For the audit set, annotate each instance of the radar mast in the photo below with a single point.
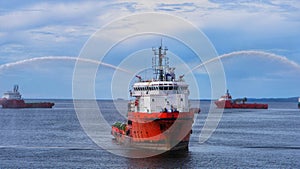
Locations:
(160, 62)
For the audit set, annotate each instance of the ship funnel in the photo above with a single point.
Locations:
(16, 88)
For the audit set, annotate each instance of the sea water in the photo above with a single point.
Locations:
(54, 138)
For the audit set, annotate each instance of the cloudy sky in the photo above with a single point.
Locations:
(33, 28)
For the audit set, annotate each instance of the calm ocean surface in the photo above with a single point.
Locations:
(53, 138)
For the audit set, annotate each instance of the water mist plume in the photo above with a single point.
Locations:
(249, 53)
(207, 129)
(8, 65)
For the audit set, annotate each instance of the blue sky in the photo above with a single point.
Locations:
(50, 28)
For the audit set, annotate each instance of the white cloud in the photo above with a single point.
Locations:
(53, 28)
(46, 14)
(248, 16)
(90, 15)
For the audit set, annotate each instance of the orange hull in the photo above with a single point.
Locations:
(21, 104)
(160, 131)
(229, 105)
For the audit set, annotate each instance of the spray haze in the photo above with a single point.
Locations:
(65, 58)
(250, 53)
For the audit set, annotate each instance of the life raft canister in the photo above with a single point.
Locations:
(136, 103)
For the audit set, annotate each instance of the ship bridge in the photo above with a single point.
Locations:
(159, 88)
(159, 96)
(13, 95)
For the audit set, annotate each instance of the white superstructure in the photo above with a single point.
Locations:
(13, 95)
(162, 93)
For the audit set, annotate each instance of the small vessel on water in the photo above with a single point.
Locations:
(227, 102)
(159, 116)
(13, 99)
(299, 102)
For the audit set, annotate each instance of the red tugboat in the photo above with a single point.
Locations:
(13, 99)
(159, 116)
(227, 102)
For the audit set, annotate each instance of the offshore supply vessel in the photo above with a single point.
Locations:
(159, 116)
(13, 99)
(227, 102)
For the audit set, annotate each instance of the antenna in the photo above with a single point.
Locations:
(160, 62)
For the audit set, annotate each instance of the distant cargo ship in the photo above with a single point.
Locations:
(227, 102)
(13, 99)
